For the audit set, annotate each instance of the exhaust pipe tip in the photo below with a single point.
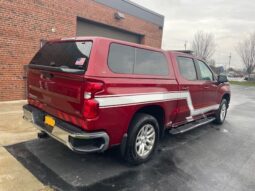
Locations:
(42, 135)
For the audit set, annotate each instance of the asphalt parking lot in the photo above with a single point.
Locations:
(208, 158)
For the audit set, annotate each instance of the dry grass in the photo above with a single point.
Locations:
(243, 83)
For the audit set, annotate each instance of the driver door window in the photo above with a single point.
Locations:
(205, 72)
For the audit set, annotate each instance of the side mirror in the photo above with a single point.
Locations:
(222, 78)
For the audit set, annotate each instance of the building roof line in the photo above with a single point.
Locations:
(134, 9)
(144, 8)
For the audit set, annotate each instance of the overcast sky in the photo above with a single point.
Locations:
(229, 20)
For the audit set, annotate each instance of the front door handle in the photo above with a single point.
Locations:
(207, 87)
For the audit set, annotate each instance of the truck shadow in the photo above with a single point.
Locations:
(55, 165)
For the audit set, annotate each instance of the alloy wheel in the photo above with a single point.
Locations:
(145, 141)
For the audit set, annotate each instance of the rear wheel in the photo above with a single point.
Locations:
(142, 139)
(221, 112)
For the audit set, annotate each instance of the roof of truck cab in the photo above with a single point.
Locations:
(180, 53)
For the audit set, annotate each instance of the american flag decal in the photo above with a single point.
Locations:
(80, 61)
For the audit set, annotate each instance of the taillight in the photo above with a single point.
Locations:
(91, 106)
(91, 109)
(92, 88)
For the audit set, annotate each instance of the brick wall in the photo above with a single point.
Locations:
(24, 22)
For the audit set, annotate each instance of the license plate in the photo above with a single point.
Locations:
(48, 120)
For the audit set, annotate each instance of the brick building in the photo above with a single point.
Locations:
(25, 24)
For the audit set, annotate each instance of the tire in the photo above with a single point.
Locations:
(142, 140)
(221, 112)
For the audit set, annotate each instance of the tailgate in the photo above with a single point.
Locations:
(56, 76)
(57, 90)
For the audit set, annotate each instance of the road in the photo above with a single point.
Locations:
(210, 158)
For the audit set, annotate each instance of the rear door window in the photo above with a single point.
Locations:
(65, 55)
(187, 68)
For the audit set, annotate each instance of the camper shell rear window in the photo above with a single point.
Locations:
(67, 56)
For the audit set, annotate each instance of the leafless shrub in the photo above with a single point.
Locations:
(203, 45)
(246, 50)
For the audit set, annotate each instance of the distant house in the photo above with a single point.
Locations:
(252, 77)
(217, 70)
(231, 72)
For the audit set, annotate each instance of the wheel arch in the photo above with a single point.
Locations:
(156, 111)
(227, 97)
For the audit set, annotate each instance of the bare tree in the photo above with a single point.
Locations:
(246, 50)
(203, 45)
(211, 62)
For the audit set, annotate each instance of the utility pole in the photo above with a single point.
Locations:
(229, 61)
(185, 45)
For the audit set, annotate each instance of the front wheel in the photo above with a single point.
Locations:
(142, 139)
(221, 112)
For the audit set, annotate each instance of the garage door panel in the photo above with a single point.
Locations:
(93, 29)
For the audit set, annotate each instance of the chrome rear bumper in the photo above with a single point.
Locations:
(71, 136)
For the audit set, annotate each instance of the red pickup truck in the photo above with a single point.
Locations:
(93, 93)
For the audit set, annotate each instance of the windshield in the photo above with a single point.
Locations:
(65, 55)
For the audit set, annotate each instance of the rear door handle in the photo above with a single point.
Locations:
(46, 75)
(207, 87)
(185, 88)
